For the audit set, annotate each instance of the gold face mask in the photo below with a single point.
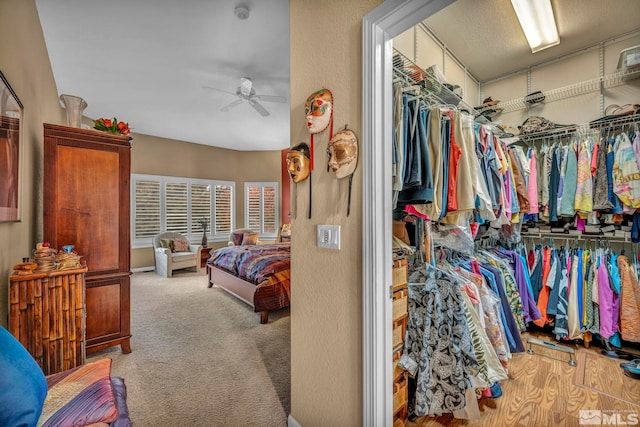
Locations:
(343, 153)
(298, 162)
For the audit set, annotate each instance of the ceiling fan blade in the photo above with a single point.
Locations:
(219, 90)
(259, 108)
(232, 105)
(271, 98)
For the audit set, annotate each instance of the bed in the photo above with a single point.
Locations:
(259, 275)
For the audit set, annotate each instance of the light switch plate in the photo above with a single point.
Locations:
(328, 236)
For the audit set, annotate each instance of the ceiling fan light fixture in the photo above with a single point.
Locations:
(242, 12)
(537, 22)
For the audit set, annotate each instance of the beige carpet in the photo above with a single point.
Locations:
(200, 357)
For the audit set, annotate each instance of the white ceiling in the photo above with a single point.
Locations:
(146, 61)
(487, 38)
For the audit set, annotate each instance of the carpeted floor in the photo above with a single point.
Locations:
(200, 357)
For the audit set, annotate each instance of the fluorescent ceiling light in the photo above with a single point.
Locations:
(538, 23)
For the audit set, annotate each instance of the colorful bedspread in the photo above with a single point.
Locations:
(253, 263)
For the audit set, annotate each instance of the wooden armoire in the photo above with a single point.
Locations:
(87, 204)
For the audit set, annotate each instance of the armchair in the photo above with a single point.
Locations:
(243, 236)
(172, 251)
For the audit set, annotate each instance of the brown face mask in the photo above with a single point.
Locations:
(298, 162)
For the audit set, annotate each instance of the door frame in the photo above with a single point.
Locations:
(389, 19)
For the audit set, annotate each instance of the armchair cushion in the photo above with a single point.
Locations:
(23, 386)
(180, 244)
(167, 243)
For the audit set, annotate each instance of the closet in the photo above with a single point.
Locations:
(503, 255)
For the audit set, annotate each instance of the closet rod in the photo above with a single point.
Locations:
(562, 236)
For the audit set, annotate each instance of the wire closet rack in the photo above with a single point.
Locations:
(587, 86)
(601, 125)
(428, 84)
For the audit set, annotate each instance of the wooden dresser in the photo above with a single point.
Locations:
(47, 316)
(400, 320)
(86, 204)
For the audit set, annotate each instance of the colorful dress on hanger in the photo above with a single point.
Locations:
(629, 301)
(438, 347)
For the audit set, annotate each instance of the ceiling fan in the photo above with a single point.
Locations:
(246, 92)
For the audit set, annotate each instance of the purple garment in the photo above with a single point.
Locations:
(606, 302)
(529, 307)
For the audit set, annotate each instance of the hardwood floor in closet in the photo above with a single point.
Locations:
(542, 391)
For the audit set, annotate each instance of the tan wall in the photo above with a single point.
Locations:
(326, 296)
(160, 156)
(25, 63)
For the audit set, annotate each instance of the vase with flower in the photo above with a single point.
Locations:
(204, 223)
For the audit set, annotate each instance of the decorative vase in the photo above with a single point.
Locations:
(74, 106)
(204, 238)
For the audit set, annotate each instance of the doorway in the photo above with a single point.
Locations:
(378, 29)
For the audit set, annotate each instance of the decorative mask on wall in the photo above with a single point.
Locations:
(319, 110)
(319, 115)
(343, 157)
(298, 162)
(343, 153)
(299, 165)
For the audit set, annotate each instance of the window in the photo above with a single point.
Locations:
(261, 208)
(164, 203)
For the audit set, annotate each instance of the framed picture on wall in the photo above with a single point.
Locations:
(11, 110)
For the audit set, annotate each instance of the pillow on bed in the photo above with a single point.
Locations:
(80, 396)
(236, 238)
(249, 238)
(180, 244)
(23, 386)
(168, 244)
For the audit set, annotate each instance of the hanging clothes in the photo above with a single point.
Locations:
(584, 187)
(608, 313)
(554, 180)
(600, 193)
(561, 328)
(567, 206)
(532, 185)
(455, 152)
(629, 301)
(438, 349)
(521, 274)
(418, 185)
(437, 160)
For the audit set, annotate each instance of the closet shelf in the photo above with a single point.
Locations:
(597, 125)
(608, 81)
